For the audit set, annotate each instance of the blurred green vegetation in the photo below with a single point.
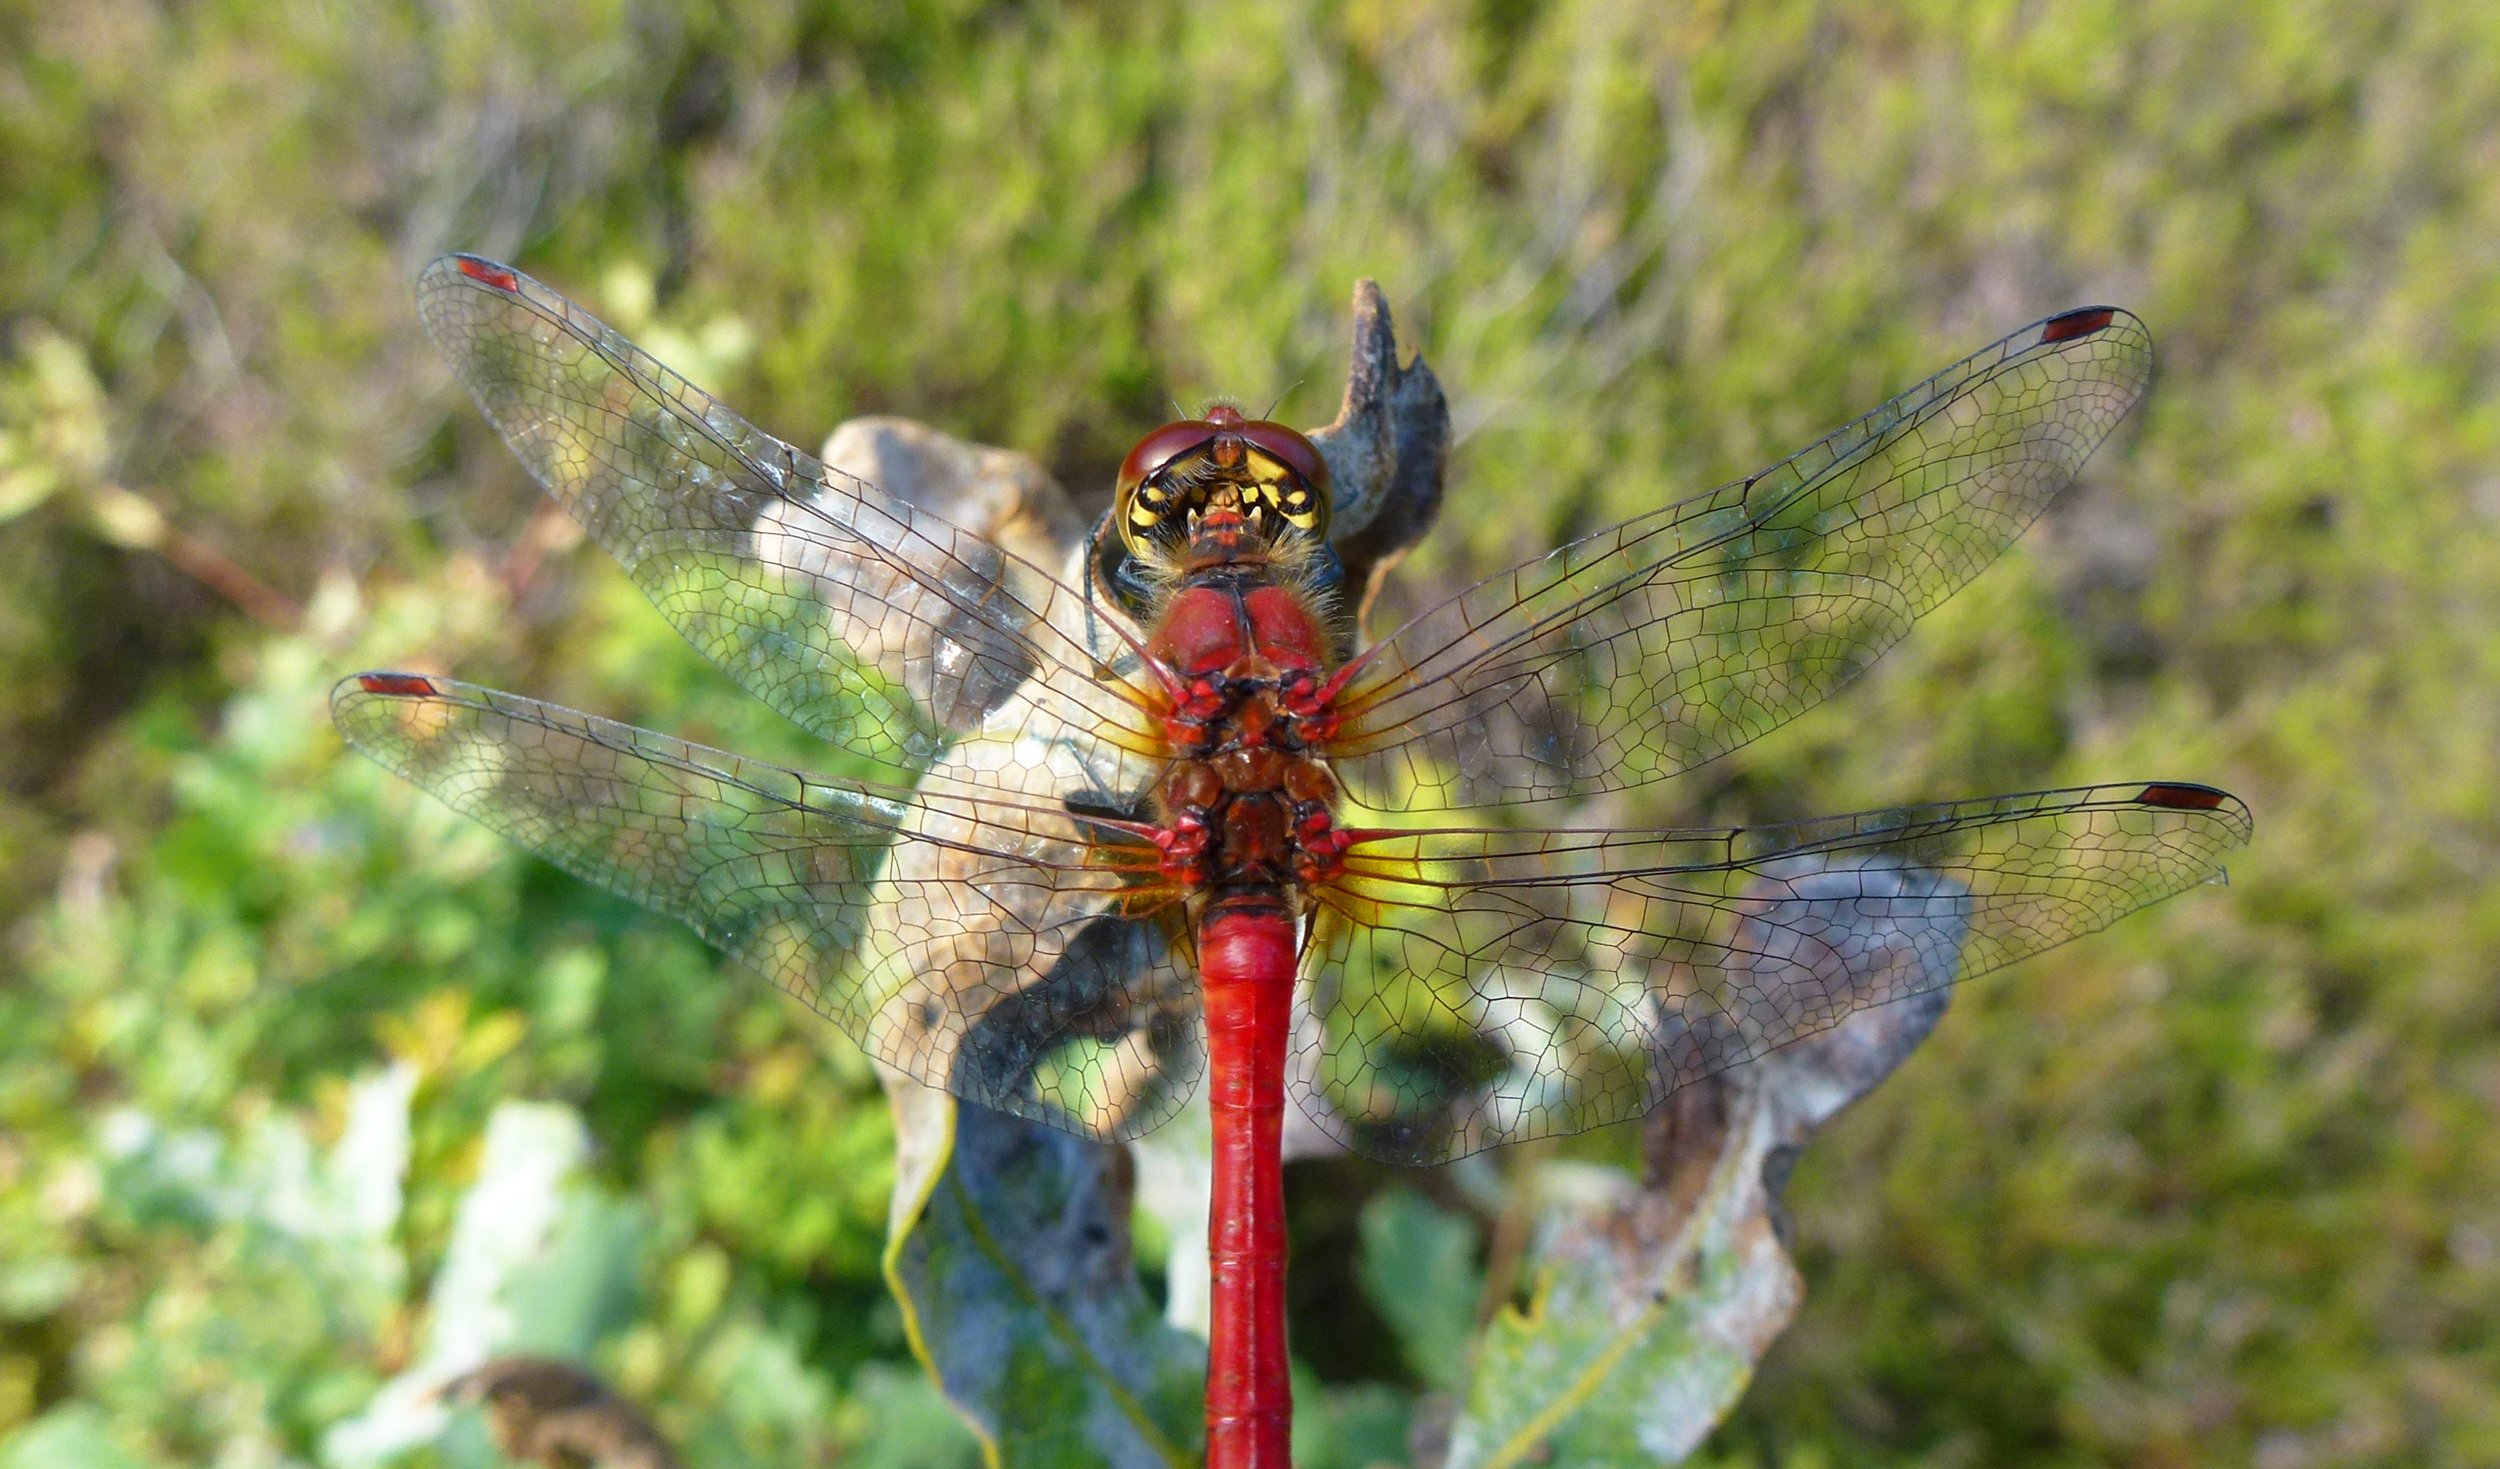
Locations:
(2220, 1187)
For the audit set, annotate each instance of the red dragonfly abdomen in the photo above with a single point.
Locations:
(1246, 955)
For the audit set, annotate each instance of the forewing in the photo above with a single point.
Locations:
(869, 621)
(1670, 639)
(992, 947)
(1471, 988)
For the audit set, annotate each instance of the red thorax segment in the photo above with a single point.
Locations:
(1247, 801)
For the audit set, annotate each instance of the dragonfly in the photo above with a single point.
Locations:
(1157, 816)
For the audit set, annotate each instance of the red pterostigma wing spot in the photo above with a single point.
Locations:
(1664, 642)
(396, 685)
(2178, 796)
(2079, 323)
(487, 272)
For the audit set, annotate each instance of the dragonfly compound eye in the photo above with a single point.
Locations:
(1295, 503)
(1147, 506)
(1141, 505)
(1183, 467)
(1300, 494)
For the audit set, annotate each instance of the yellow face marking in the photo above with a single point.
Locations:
(1284, 492)
(1263, 482)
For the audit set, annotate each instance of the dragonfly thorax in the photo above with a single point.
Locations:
(1248, 801)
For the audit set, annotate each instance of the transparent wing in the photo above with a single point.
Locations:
(1673, 638)
(869, 621)
(1475, 987)
(1003, 950)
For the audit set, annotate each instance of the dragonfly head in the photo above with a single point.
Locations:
(1219, 488)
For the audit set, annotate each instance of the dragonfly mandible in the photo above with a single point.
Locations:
(1155, 817)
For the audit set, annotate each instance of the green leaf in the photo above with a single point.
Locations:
(913, 1425)
(1623, 1356)
(1651, 1304)
(539, 1260)
(1010, 1256)
(74, 1437)
(1362, 1426)
(1419, 1268)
